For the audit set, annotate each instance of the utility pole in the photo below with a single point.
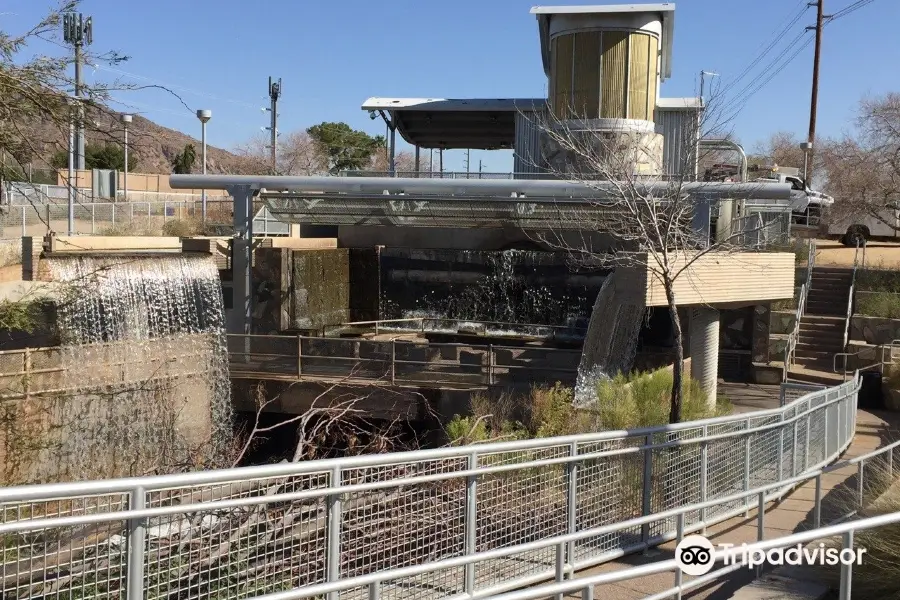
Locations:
(468, 156)
(78, 31)
(479, 168)
(274, 94)
(814, 101)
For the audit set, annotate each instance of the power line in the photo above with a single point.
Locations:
(850, 9)
(775, 39)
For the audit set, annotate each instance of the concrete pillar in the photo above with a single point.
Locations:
(704, 344)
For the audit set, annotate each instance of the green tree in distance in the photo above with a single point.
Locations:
(97, 156)
(183, 162)
(344, 147)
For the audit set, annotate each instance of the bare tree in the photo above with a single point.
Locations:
(404, 162)
(296, 155)
(863, 167)
(648, 214)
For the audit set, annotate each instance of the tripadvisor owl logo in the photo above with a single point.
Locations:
(695, 555)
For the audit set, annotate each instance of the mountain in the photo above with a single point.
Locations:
(152, 144)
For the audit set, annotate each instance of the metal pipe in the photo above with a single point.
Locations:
(482, 187)
(728, 145)
(71, 181)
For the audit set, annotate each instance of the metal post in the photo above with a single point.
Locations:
(417, 160)
(747, 471)
(137, 531)
(647, 489)
(393, 360)
(333, 552)
(781, 448)
(704, 469)
(846, 569)
(859, 483)
(393, 165)
(490, 364)
(113, 209)
(890, 463)
(126, 119)
(679, 535)
(794, 458)
(806, 442)
(71, 181)
(204, 116)
(23, 221)
(817, 503)
(241, 259)
(93, 219)
(375, 590)
(572, 502)
(588, 592)
(299, 357)
(471, 522)
(761, 524)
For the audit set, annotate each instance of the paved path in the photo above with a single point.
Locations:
(791, 515)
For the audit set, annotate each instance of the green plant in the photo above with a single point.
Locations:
(642, 400)
(879, 304)
(799, 247)
(878, 280)
(22, 315)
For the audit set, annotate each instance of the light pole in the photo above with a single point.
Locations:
(204, 116)
(126, 120)
(806, 147)
(703, 75)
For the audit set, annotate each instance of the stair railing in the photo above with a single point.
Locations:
(790, 349)
(852, 294)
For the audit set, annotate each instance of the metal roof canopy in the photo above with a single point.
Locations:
(666, 12)
(478, 123)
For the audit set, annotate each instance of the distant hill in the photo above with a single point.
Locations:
(152, 144)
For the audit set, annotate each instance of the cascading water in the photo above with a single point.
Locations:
(612, 337)
(510, 286)
(154, 326)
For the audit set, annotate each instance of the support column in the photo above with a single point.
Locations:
(704, 332)
(242, 260)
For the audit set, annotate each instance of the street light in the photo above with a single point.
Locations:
(126, 121)
(806, 147)
(204, 116)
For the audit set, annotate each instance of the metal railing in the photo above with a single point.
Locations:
(447, 325)
(852, 295)
(17, 193)
(475, 520)
(396, 361)
(856, 359)
(790, 349)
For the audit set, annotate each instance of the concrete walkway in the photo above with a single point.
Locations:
(791, 515)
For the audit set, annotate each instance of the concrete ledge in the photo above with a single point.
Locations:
(112, 243)
(299, 243)
(775, 587)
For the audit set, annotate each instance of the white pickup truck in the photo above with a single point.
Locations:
(806, 205)
(858, 229)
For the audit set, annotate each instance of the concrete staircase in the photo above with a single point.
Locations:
(822, 327)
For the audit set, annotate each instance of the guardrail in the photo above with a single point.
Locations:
(794, 337)
(879, 351)
(446, 325)
(475, 520)
(396, 361)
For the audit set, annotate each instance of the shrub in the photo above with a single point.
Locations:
(878, 280)
(800, 249)
(180, 228)
(644, 400)
(10, 254)
(879, 304)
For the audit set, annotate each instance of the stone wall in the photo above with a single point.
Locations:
(782, 322)
(622, 153)
(874, 330)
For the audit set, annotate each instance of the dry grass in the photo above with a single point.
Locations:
(10, 253)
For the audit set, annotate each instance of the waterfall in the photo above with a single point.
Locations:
(612, 336)
(155, 327)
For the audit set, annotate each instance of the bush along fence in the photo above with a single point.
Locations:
(476, 519)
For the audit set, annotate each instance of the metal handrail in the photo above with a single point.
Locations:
(879, 363)
(794, 337)
(380, 324)
(851, 295)
(561, 456)
(375, 580)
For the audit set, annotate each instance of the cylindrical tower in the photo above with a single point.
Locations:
(604, 65)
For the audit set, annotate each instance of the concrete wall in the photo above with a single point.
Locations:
(137, 182)
(310, 289)
(106, 410)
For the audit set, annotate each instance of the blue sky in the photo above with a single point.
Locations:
(331, 56)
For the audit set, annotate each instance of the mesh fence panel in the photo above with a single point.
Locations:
(418, 510)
